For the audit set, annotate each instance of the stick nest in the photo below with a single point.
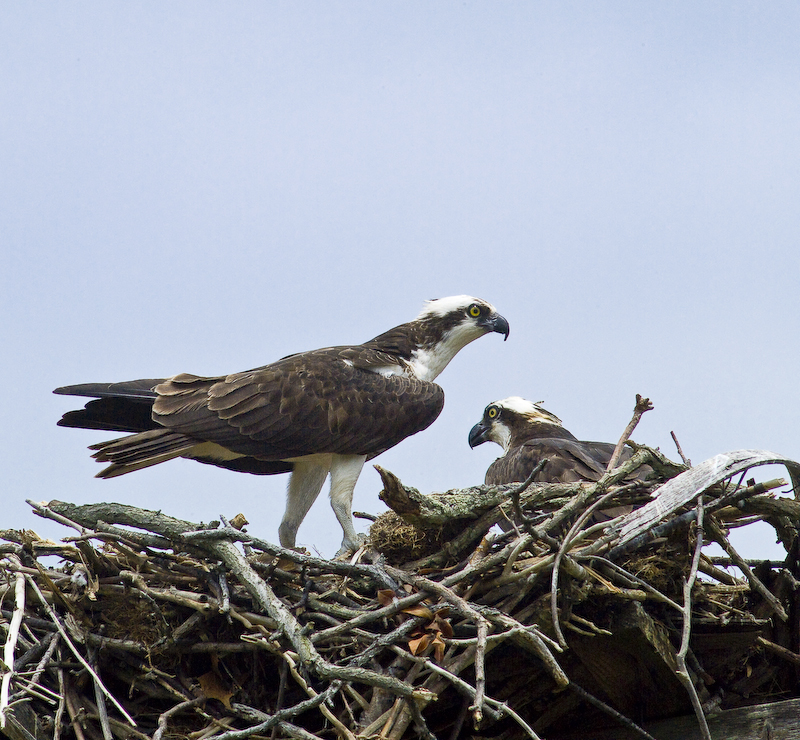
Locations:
(467, 615)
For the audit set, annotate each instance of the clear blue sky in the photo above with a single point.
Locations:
(206, 187)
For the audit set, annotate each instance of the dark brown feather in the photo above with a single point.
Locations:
(324, 401)
(568, 460)
(111, 415)
(308, 403)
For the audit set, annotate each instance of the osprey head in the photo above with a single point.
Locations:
(508, 420)
(463, 314)
(446, 325)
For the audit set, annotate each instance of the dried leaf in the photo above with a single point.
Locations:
(418, 645)
(442, 625)
(239, 521)
(419, 610)
(386, 596)
(213, 688)
(290, 566)
(438, 649)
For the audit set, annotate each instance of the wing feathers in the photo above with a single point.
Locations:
(308, 403)
(568, 461)
(315, 402)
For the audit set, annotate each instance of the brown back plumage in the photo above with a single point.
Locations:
(567, 461)
(316, 402)
(323, 401)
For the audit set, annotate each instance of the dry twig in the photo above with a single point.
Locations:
(642, 405)
(683, 671)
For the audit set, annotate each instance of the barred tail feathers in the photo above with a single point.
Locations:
(142, 450)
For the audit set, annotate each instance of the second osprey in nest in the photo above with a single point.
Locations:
(527, 433)
(315, 413)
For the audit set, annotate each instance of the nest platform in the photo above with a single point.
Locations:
(529, 611)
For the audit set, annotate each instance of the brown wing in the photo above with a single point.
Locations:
(567, 461)
(314, 402)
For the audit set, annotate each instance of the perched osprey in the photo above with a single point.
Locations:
(527, 433)
(313, 413)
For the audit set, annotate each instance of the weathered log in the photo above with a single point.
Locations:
(438, 508)
(686, 487)
(635, 666)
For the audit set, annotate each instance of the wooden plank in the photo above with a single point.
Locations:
(722, 649)
(22, 724)
(775, 721)
(635, 666)
(687, 486)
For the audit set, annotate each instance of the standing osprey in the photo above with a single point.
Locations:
(313, 413)
(527, 433)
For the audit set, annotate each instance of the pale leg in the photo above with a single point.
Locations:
(345, 470)
(305, 484)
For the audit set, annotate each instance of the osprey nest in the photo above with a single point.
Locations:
(579, 610)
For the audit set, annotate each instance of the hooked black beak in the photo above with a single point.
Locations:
(478, 434)
(497, 323)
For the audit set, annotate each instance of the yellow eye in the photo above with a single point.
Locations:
(474, 311)
(492, 412)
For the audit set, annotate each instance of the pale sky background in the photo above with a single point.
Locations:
(206, 187)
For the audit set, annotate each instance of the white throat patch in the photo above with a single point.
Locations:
(427, 362)
(501, 434)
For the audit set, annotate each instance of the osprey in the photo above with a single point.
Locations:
(528, 433)
(313, 413)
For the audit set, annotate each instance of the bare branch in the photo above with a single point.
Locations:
(11, 644)
(686, 461)
(642, 405)
(683, 671)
